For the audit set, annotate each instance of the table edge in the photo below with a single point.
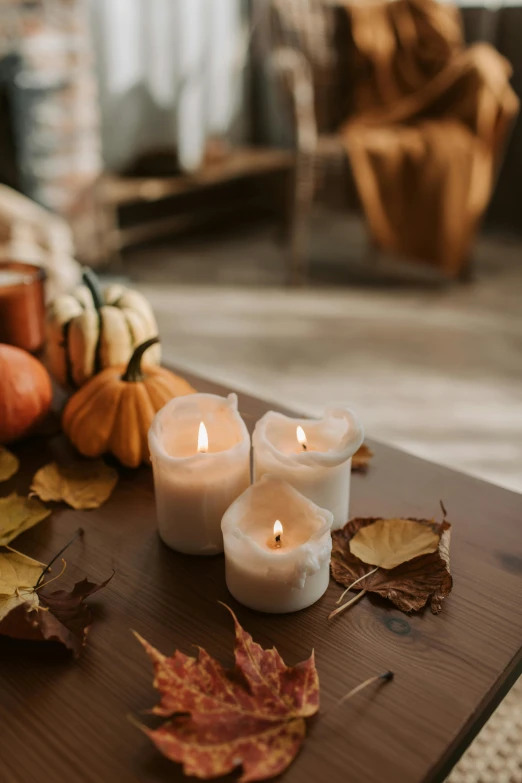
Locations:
(463, 740)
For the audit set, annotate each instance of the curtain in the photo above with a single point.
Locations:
(171, 73)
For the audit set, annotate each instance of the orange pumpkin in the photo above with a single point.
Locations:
(114, 410)
(25, 393)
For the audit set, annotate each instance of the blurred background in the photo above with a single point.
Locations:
(321, 200)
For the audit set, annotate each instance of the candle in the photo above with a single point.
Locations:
(22, 308)
(277, 548)
(200, 452)
(315, 456)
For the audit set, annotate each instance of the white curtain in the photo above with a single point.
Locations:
(170, 72)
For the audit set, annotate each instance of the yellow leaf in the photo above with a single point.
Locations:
(18, 577)
(82, 485)
(9, 464)
(389, 542)
(22, 596)
(18, 514)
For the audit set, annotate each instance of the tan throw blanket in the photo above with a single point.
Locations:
(427, 132)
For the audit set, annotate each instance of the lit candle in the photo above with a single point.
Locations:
(276, 566)
(314, 456)
(22, 308)
(200, 452)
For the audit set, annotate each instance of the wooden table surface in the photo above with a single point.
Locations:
(67, 721)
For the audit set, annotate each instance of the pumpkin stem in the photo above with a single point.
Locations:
(90, 280)
(133, 373)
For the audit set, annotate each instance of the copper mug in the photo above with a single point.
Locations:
(22, 305)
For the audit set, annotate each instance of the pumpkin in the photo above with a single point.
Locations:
(88, 331)
(25, 393)
(113, 412)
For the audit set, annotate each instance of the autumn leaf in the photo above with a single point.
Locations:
(60, 616)
(28, 610)
(18, 577)
(252, 716)
(82, 485)
(420, 575)
(9, 464)
(18, 514)
(361, 459)
(389, 542)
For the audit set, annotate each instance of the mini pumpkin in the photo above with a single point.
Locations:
(25, 393)
(88, 330)
(113, 412)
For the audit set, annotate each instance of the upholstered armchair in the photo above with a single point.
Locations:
(312, 74)
(387, 96)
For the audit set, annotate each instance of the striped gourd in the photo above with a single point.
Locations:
(88, 330)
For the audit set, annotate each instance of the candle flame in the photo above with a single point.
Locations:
(301, 436)
(278, 532)
(202, 439)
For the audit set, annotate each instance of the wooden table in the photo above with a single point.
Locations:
(67, 721)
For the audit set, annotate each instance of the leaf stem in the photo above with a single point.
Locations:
(78, 533)
(44, 584)
(357, 582)
(349, 603)
(386, 677)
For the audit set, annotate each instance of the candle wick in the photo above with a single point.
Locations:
(278, 541)
(305, 447)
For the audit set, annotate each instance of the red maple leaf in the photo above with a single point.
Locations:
(251, 716)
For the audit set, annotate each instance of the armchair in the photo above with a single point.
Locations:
(390, 94)
(311, 75)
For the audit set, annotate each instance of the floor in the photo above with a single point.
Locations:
(432, 368)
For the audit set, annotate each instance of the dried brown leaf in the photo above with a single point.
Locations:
(389, 542)
(18, 514)
(218, 720)
(38, 615)
(411, 585)
(82, 485)
(9, 464)
(361, 459)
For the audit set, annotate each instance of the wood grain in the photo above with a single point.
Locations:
(68, 721)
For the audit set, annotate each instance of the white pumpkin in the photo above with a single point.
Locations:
(88, 330)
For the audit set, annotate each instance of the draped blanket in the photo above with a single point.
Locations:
(428, 128)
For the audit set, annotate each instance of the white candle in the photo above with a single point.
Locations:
(277, 548)
(200, 452)
(314, 456)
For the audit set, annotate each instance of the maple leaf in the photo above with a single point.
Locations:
(252, 716)
(82, 485)
(18, 514)
(29, 611)
(9, 464)
(361, 459)
(420, 574)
